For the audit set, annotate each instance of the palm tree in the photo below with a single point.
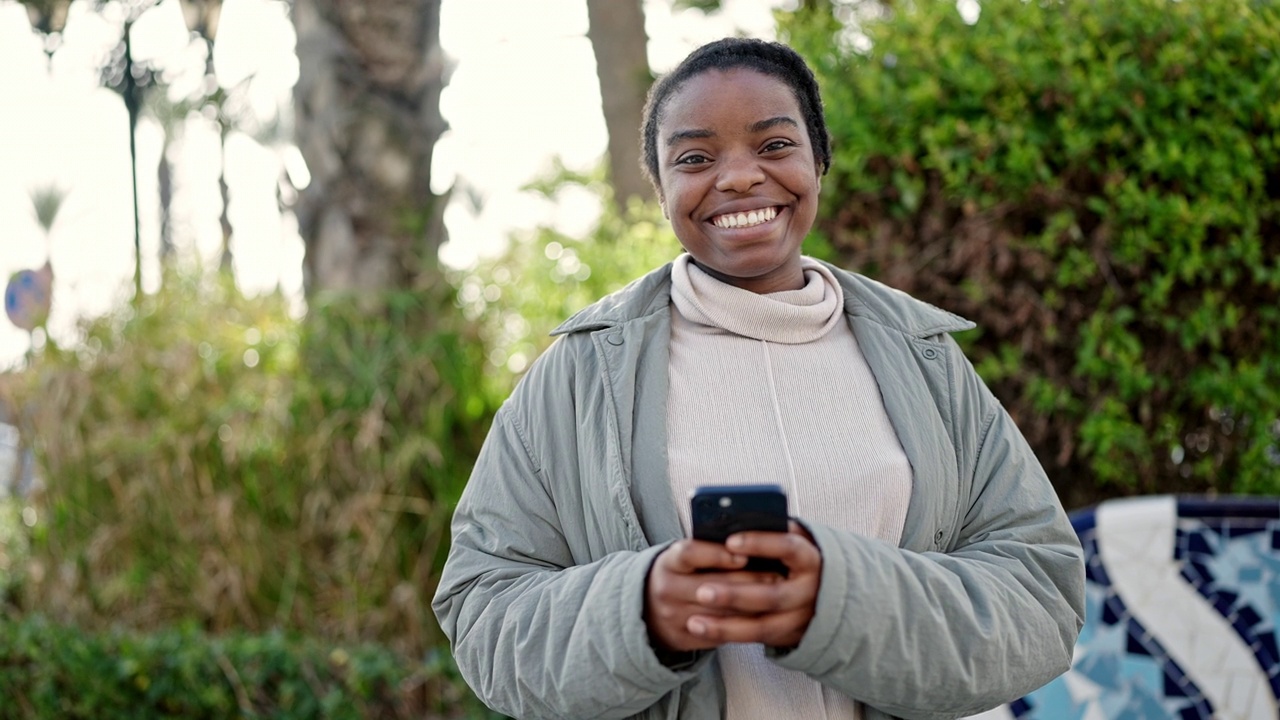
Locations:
(367, 113)
(121, 73)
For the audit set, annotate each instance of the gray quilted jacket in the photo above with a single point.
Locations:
(569, 503)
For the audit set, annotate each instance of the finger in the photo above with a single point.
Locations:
(690, 556)
(798, 529)
(675, 592)
(739, 577)
(668, 604)
(684, 588)
(776, 629)
(755, 598)
(793, 549)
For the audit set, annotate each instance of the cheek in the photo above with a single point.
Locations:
(668, 197)
(675, 196)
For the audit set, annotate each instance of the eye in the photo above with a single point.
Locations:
(774, 145)
(692, 159)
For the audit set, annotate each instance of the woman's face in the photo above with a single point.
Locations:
(738, 178)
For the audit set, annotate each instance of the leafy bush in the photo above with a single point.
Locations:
(545, 275)
(209, 458)
(1098, 186)
(14, 544)
(49, 671)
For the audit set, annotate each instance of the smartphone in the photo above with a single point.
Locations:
(718, 511)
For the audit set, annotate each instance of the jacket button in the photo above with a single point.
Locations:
(937, 539)
(614, 338)
(930, 354)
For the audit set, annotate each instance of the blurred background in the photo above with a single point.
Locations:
(271, 267)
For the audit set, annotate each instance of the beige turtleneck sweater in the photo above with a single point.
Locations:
(773, 389)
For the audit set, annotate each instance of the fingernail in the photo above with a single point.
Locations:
(706, 595)
(697, 627)
(735, 542)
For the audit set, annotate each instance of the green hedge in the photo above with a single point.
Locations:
(1097, 184)
(50, 671)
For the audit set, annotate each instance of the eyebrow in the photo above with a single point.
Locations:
(772, 122)
(679, 135)
(755, 127)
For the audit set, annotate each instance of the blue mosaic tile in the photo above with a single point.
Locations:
(1193, 574)
(1095, 571)
(1135, 645)
(1190, 713)
(1113, 610)
(1200, 570)
(1228, 553)
(1235, 531)
(1197, 543)
(1176, 687)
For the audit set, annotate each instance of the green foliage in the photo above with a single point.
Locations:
(50, 671)
(705, 6)
(210, 458)
(1098, 186)
(14, 545)
(546, 275)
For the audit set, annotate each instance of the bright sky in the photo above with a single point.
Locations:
(513, 58)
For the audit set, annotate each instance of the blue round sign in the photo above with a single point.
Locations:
(28, 297)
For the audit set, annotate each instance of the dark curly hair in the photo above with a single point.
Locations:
(770, 58)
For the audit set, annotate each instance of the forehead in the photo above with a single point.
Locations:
(732, 98)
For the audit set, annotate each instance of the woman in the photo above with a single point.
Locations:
(932, 571)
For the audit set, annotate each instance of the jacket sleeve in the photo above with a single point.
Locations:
(941, 635)
(534, 633)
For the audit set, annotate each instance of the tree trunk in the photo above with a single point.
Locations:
(618, 39)
(164, 180)
(368, 116)
(226, 262)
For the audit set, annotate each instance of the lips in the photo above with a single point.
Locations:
(745, 219)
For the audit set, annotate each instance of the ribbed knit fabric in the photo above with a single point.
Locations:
(773, 389)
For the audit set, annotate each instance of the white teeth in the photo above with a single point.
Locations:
(746, 219)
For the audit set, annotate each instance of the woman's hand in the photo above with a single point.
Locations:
(672, 585)
(690, 610)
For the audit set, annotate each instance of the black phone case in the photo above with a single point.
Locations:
(720, 511)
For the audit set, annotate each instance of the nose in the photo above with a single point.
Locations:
(739, 173)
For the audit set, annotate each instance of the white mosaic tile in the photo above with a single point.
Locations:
(1183, 604)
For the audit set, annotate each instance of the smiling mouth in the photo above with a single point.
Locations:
(732, 221)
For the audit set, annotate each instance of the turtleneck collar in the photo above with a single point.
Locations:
(789, 317)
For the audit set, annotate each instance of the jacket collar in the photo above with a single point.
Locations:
(863, 297)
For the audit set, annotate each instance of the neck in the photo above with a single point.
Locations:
(780, 280)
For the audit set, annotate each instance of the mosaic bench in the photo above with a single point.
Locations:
(1183, 600)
